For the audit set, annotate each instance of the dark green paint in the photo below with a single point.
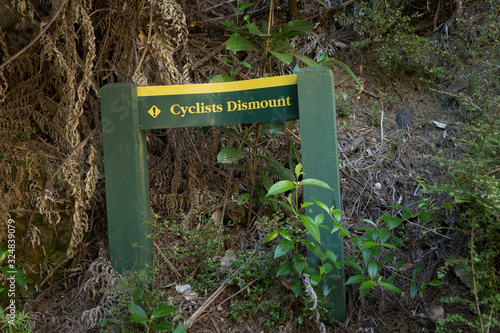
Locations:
(218, 101)
(127, 183)
(318, 132)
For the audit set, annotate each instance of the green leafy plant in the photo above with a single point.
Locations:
(20, 323)
(293, 240)
(266, 41)
(135, 301)
(375, 245)
(387, 31)
(231, 155)
(376, 250)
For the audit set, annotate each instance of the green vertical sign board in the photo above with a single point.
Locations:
(126, 178)
(128, 110)
(318, 131)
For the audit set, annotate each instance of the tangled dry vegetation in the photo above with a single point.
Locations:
(55, 55)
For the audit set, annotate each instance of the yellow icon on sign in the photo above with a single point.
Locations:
(154, 111)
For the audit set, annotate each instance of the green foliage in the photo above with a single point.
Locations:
(14, 276)
(230, 155)
(200, 255)
(389, 34)
(374, 265)
(20, 323)
(138, 308)
(472, 186)
(266, 42)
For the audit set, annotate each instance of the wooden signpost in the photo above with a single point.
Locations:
(128, 110)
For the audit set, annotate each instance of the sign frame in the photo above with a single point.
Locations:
(127, 111)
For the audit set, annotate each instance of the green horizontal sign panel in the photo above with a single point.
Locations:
(216, 104)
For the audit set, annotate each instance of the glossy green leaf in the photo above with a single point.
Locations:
(332, 256)
(425, 216)
(353, 264)
(337, 215)
(164, 326)
(238, 43)
(284, 269)
(369, 245)
(315, 182)
(283, 57)
(137, 295)
(368, 284)
(296, 288)
(285, 235)
(390, 287)
(308, 61)
(348, 70)
(319, 219)
(328, 267)
(280, 169)
(231, 154)
(311, 227)
(135, 318)
(163, 311)
(315, 279)
(399, 207)
(299, 263)
(271, 236)
(372, 269)
(138, 310)
(388, 257)
(280, 187)
(299, 25)
(413, 289)
(254, 29)
(322, 3)
(389, 246)
(416, 270)
(363, 292)
(392, 221)
(283, 247)
(314, 248)
(322, 205)
(384, 234)
(400, 264)
(355, 279)
(18, 274)
(367, 255)
(180, 329)
(397, 241)
(283, 46)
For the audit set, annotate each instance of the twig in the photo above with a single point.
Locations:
(45, 28)
(147, 41)
(239, 291)
(294, 135)
(209, 56)
(191, 320)
(168, 261)
(473, 271)
(252, 175)
(192, 145)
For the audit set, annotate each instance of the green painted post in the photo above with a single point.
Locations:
(318, 131)
(127, 182)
